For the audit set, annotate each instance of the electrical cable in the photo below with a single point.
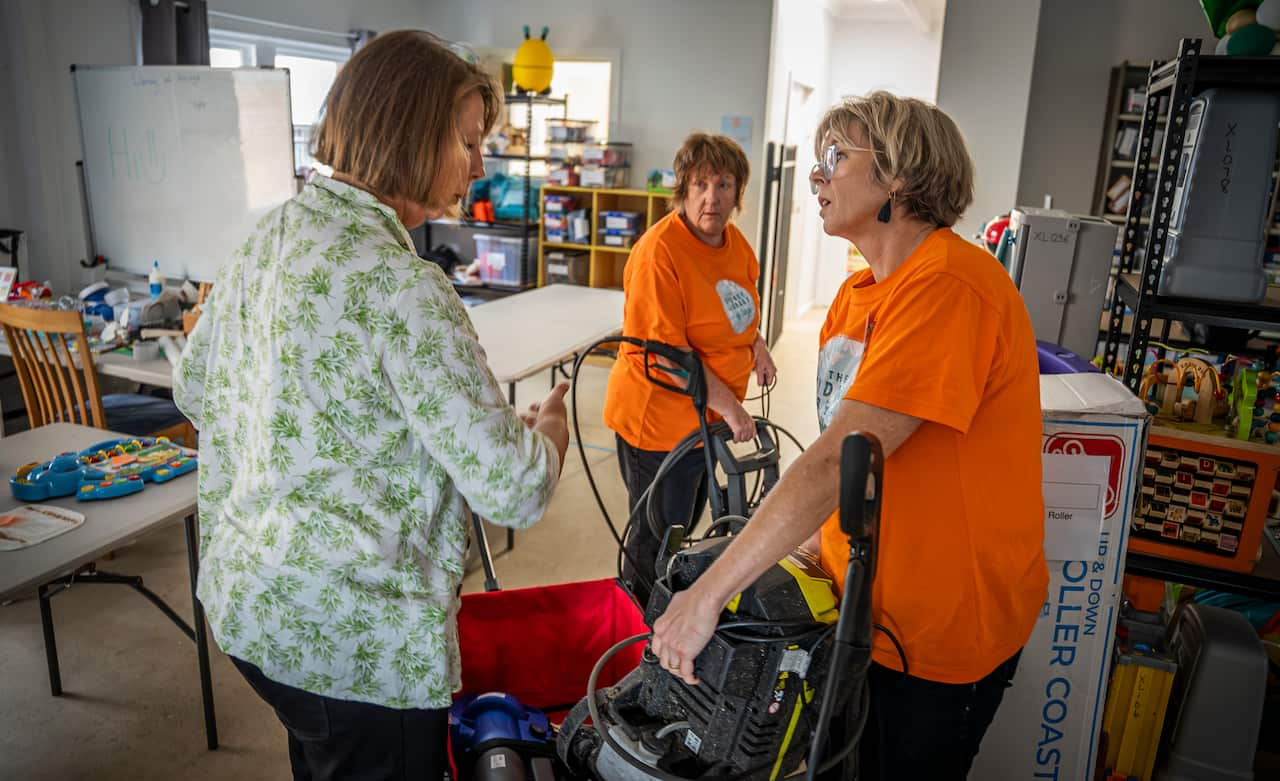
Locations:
(855, 734)
(593, 708)
(582, 452)
(682, 448)
(902, 655)
(646, 498)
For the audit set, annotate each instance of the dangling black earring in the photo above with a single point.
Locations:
(885, 211)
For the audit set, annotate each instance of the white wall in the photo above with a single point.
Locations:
(894, 56)
(984, 83)
(13, 212)
(684, 65)
(866, 55)
(44, 38)
(40, 142)
(799, 53)
(337, 16)
(1077, 45)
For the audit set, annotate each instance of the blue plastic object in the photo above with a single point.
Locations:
(1060, 360)
(117, 467)
(477, 721)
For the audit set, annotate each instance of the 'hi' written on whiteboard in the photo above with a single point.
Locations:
(133, 158)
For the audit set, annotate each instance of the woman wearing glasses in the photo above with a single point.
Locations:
(690, 282)
(930, 349)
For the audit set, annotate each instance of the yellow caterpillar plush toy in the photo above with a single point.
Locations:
(531, 70)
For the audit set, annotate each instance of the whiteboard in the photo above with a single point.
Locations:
(181, 161)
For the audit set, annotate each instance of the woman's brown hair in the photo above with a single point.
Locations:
(704, 153)
(388, 120)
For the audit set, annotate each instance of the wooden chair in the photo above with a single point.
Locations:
(59, 383)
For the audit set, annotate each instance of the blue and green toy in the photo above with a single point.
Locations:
(116, 467)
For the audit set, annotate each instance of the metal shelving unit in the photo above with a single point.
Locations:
(525, 228)
(532, 211)
(1137, 286)
(1143, 239)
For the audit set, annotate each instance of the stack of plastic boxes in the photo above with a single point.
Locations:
(619, 229)
(563, 222)
(606, 165)
(555, 217)
(565, 141)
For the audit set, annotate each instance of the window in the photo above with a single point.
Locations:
(220, 57)
(312, 69)
(587, 83)
(588, 86)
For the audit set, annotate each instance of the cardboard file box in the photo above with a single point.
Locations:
(1049, 723)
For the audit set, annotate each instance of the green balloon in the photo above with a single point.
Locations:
(1252, 40)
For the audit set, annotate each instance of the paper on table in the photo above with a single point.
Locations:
(1075, 489)
(27, 525)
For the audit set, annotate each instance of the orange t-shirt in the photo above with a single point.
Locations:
(687, 294)
(961, 574)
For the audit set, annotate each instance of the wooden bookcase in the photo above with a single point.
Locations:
(606, 262)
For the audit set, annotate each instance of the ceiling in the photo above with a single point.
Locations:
(925, 15)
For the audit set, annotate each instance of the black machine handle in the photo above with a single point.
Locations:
(690, 367)
(861, 486)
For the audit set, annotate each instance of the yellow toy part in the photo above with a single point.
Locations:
(533, 65)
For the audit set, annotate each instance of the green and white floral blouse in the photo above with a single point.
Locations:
(347, 419)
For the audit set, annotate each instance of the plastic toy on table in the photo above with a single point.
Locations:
(117, 467)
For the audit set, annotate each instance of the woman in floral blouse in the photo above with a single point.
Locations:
(348, 419)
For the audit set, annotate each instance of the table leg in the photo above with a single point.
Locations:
(50, 643)
(202, 641)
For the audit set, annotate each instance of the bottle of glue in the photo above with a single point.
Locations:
(156, 279)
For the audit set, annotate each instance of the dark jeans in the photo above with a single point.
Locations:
(680, 499)
(926, 730)
(338, 739)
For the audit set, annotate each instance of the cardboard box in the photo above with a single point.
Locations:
(1048, 725)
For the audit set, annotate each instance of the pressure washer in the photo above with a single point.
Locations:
(785, 655)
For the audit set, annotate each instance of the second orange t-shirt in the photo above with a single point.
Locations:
(683, 292)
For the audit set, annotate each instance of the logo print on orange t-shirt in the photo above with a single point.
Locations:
(837, 367)
(738, 305)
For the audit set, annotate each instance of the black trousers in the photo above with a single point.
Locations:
(923, 730)
(680, 498)
(338, 739)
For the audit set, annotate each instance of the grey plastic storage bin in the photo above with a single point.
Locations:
(501, 262)
(1222, 202)
(1215, 709)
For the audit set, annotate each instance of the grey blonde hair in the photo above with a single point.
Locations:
(915, 143)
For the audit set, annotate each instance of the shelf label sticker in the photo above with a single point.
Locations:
(1074, 488)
